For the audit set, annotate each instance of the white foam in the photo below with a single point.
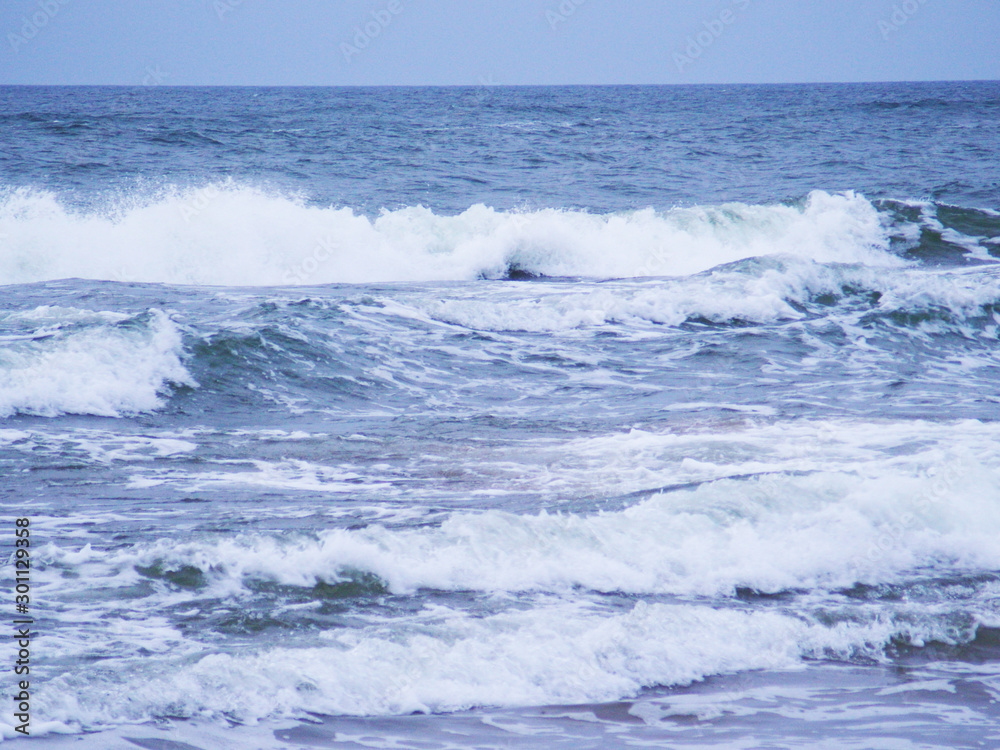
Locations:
(759, 293)
(833, 503)
(827, 504)
(228, 234)
(723, 295)
(447, 660)
(291, 474)
(98, 446)
(117, 367)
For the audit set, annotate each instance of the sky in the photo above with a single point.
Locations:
(485, 42)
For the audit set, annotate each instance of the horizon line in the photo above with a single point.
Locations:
(492, 85)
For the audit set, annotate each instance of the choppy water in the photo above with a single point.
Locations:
(558, 416)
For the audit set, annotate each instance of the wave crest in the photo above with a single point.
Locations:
(83, 362)
(233, 235)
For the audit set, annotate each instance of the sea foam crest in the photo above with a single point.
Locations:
(82, 362)
(229, 234)
(818, 510)
(758, 291)
(879, 520)
(557, 653)
(712, 540)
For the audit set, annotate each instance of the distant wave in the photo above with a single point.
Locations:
(233, 235)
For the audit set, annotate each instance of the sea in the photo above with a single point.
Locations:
(501, 417)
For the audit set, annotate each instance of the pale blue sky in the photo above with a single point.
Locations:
(315, 42)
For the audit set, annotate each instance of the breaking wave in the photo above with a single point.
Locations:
(234, 235)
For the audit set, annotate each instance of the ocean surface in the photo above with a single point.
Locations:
(503, 417)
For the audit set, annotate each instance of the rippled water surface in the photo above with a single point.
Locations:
(541, 417)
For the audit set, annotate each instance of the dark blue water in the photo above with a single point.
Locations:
(593, 148)
(591, 416)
